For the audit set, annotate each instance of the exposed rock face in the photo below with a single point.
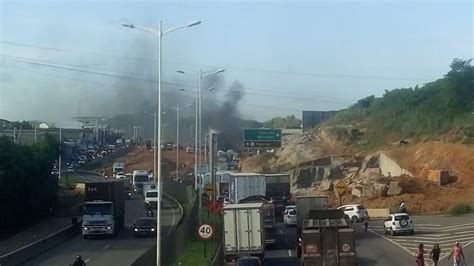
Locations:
(326, 185)
(394, 189)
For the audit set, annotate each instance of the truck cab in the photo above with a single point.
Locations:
(140, 177)
(98, 218)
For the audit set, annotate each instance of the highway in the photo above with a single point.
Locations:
(122, 250)
(377, 249)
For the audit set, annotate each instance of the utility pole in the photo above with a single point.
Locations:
(177, 142)
(60, 152)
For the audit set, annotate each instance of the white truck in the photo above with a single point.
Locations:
(140, 177)
(243, 185)
(244, 233)
(118, 167)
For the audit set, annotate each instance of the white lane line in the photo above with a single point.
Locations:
(280, 231)
(106, 247)
(464, 232)
(429, 225)
(391, 241)
(459, 226)
(289, 253)
(87, 260)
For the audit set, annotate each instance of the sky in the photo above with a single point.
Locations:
(61, 59)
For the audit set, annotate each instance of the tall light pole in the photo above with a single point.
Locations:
(157, 151)
(178, 108)
(199, 129)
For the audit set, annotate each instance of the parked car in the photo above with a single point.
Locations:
(355, 212)
(289, 215)
(398, 223)
(145, 226)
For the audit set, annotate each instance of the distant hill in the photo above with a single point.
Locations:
(440, 109)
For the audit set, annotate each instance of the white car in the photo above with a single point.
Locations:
(289, 215)
(355, 212)
(119, 175)
(151, 198)
(398, 223)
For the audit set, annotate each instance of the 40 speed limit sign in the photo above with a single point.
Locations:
(205, 231)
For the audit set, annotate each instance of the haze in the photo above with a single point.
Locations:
(287, 56)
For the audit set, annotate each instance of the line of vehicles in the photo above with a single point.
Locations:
(252, 203)
(103, 210)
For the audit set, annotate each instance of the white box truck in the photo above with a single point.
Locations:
(244, 233)
(243, 185)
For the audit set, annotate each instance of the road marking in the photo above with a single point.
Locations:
(87, 260)
(391, 241)
(106, 247)
(429, 225)
(289, 253)
(280, 231)
(464, 232)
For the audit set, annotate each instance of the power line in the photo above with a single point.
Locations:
(280, 72)
(54, 65)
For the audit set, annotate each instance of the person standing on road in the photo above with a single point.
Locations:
(419, 256)
(434, 254)
(366, 222)
(457, 253)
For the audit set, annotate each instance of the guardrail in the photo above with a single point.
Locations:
(30, 251)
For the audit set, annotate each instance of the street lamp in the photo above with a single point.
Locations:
(177, 109)
(160, 33)
(199, 132)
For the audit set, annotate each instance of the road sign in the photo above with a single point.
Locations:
(205, 231)
(340, 187)
(262, 137)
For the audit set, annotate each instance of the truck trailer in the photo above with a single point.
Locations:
(244, 233)
(103, 211)
(327, 238)
(243, 185)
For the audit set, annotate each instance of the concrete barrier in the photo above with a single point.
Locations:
(378, 213)
(30, 251)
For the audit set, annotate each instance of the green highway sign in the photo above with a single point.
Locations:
(262, 137)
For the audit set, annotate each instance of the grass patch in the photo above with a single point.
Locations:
(194, 252)
(461, 208)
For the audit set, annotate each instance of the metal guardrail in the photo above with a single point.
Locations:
(30, 251)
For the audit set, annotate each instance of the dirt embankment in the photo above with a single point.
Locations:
(421, 195)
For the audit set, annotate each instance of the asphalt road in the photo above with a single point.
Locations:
(122, 250)
(377, 249)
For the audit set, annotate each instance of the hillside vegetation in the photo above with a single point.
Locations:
(440, 109)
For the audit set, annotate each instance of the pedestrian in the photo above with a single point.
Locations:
(419, 256)
(457, 253)
(366, 222)
(434, 254)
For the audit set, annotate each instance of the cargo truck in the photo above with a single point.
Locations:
(327, 238)
(103, 211)
(306, 203)
(278, 190)
(243, 185)
(118, 167)
(139, 178)
(269, 221)
(244, 233)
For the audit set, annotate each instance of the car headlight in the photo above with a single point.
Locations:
(85, 228)
(108, 227)
(136, 230)
(153, 229)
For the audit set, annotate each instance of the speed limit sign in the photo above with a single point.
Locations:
(205, 231)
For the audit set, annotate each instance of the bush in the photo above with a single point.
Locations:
(462, 208)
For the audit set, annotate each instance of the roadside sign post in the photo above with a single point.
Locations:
(205, 232)
(340, 187)
(262, 138)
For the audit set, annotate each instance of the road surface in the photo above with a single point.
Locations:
(122, 250)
